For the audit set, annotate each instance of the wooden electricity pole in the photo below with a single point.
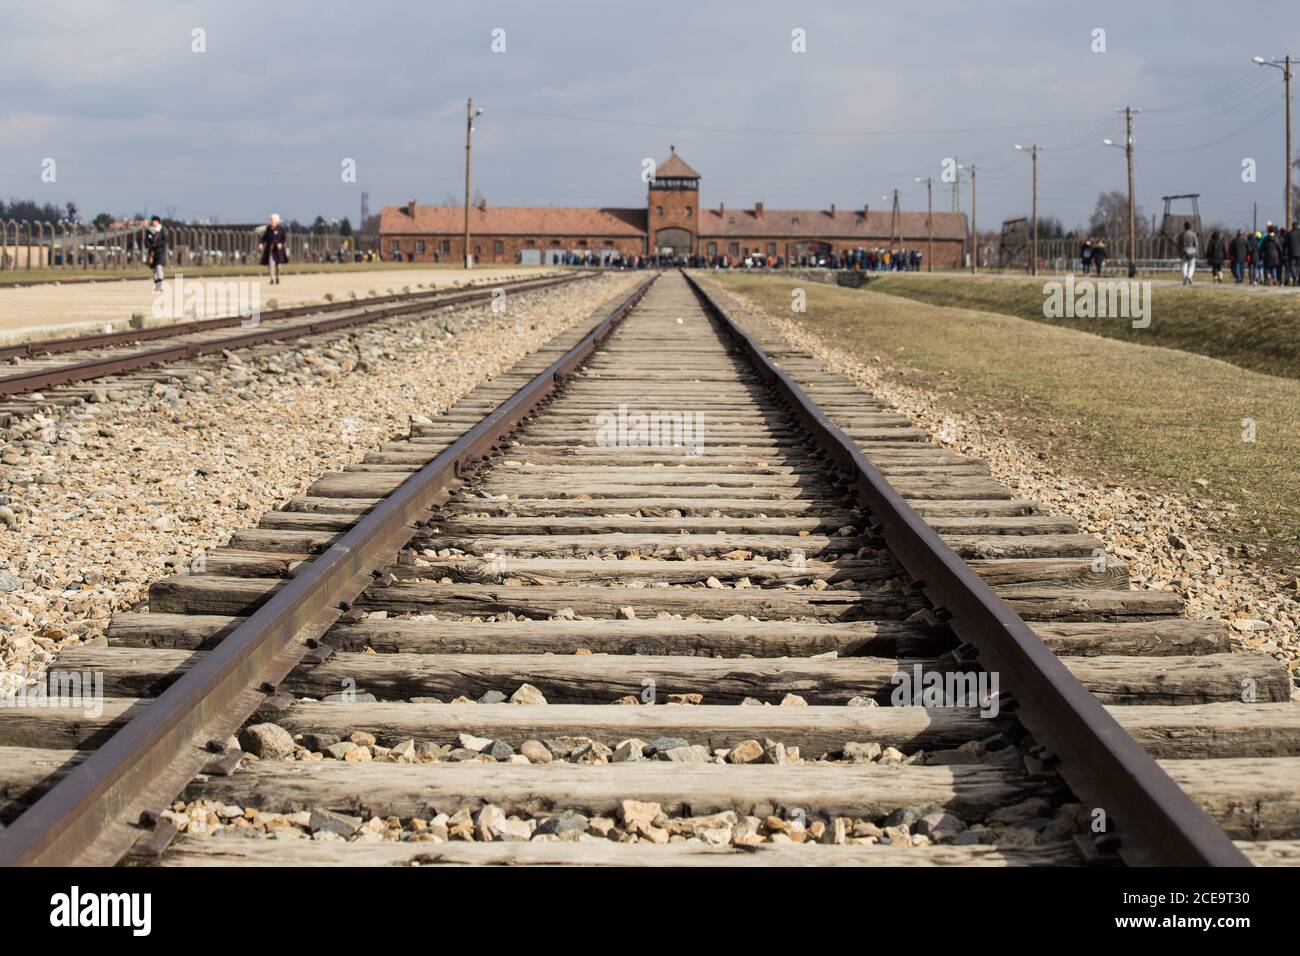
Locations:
(1033, 250)
(974, 230)
(1132, 203)
(469, 140)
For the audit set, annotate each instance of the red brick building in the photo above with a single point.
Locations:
(672, 221)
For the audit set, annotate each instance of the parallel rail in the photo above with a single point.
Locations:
(29, 381)
(1154, 822)
(136, 768)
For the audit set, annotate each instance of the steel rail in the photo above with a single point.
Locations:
(85, 371)
(99, 340)
(129, 773)
(1150, 820)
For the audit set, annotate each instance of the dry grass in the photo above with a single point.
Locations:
(1259, 332)
(1113, 410)
(139, 273)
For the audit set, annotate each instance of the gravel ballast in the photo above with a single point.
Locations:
(99, 499)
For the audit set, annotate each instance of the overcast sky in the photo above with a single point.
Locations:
(885, 91)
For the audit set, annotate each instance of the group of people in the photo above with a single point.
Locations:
(1270, 256)
(1093, 254)
(271, 247)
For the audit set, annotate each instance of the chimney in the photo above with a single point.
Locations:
(758, 210)
(410, 208)
(832, 210)
(722, 209)
(866, 211)
(482, 204)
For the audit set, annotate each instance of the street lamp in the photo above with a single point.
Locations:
(1132, 205)
(470, 114)
(1284, 64)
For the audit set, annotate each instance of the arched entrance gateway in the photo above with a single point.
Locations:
(676, 242)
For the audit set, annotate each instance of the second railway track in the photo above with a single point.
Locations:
(551, 635)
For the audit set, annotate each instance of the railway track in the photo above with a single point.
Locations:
(141, 357)
(533, 633)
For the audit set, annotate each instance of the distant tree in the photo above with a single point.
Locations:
(371, 226)
(320, 225)
(103, 221)
(1110, 216)
(1049, 227)
(345, 227)
(30, 210)
(71, 209)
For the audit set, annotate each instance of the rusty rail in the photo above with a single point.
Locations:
(1150, 820)
(140, 767)
(85, 371)
(77, 343)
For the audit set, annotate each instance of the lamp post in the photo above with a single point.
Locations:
(470, 114)
(1284, 64)
(1128, 112)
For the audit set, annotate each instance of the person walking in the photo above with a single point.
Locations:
(155, 248)
(271, 247)
(1098, 254)
(1239, 255)
(1188, 250)
(1085, 255)
(1291, 247)
(1270, 254)
(1215, 252)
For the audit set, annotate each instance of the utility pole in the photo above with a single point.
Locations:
(1033, 254)
(470, 113)
(974, 230)
(1128, 112)
(1284, 64)
(929, 222)
(895, 225)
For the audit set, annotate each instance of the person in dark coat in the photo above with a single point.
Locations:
(1270, 254)
(272, 247)
(155, 249)
(1085, 255)
(1291, 246)
(1215, 253)
(1239, 255)
(1099, 254)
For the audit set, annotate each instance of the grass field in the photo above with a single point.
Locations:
(1258, 332)
(1107, 409)
(23, 277)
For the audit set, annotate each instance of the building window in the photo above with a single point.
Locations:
(419, 247)
(713, 248)
(530, 242)
(689, 210)
(446, 245)
(582, 243)
(555, 243)
(498, 247)
(795, 220)
(396, 247)
(659, 210)
(735, 249)
(731, 220)
(609, 243)
(771, 248)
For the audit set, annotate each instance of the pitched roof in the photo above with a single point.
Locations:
(674, 168)
(515, 220)
(822, 224)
